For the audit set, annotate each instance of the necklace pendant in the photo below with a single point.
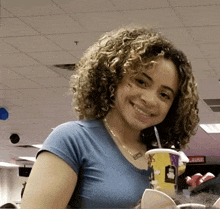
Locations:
(138, 155)
(135, 156)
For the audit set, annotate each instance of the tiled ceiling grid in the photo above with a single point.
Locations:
(34, 35)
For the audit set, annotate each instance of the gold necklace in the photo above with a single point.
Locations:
(135, 156)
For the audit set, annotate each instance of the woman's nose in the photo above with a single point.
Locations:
(149, 98)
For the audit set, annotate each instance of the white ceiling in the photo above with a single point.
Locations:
(34, 35)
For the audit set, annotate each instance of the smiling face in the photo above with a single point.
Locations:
(143, 100)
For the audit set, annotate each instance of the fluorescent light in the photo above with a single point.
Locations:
(8, 164)
(38, 145)
(211, 128)
(28, 158)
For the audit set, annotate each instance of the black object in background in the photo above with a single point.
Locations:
(24, 171)
(14, 138)
(211, 186)
(192, 169)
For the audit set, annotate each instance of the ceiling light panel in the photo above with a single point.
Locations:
(211, 128)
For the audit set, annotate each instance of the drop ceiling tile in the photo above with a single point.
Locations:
(7, 48)
(176, 3)
(62, 91)
(201, 65)
(5, 13)
(32, 44)
(75, 41)
(28, 111)
(202, 69)
(53, 58)
(1, 93)
(9, 74)
(203, 108)
(49, 97)
(58, 111)
(83, 6)
(199, 15)
(31, 8)
(2, 87)
(37, 93)
(191, 51)
(215, 63)
(217, 72)
(177, 36)
(210, 50)
(53, 24)
(23, 102)
(139, 4)
(157, 18)
(5, 156)
(208, 88)
(15, 27)
(46, 101)
(20, 84)
(7, 104)
(51, 82)
(10, 93)
(206, 74)
(78, 53)
(205, 35)
(35, 71)
(16, 59)
(105, 21)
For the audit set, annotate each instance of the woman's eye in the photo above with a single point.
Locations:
(141, 82)
(165, 95)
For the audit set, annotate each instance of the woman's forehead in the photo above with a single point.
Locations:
(140, 67)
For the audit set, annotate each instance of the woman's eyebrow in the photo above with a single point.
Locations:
(147, 76)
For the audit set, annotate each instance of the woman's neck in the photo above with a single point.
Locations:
(121, 129)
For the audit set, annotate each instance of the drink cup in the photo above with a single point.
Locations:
(163, 164)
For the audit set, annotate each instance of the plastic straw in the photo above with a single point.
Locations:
(157, 136)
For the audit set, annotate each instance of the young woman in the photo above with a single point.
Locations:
(125, 84)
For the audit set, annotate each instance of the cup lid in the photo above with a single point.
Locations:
(161, 150)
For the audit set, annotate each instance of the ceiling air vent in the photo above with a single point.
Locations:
(70, 67)
(25, 146)
(63, 70)
(214, 104)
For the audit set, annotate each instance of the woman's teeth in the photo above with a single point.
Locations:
(140, 111)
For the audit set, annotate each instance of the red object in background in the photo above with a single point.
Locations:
(206, 177)
(198, 179)
(195, 179)
(197, 159)
(189, 180)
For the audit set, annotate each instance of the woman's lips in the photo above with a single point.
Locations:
(141, 111)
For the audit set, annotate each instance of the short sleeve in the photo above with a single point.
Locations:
(64, 141)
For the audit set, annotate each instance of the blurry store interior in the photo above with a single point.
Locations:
(40, 41)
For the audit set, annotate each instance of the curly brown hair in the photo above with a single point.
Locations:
(104, 64)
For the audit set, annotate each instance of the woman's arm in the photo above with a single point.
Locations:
(50, 185)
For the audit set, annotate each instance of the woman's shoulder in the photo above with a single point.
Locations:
(75, 130)
(77, 125)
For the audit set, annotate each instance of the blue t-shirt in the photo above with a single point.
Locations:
(106, 179)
